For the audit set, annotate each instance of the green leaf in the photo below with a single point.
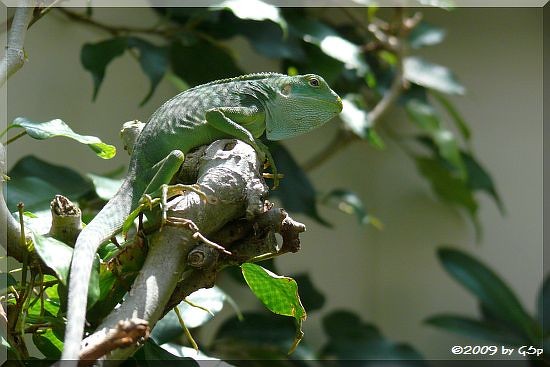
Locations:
(352, 339)
(151, 353)
(447, 187)
(426, 74)
(543, 305)
(427, 119)
(476, 329)
(253, 10)
(479, 179)
(278, 293)
(67, 181)
(48, 344)
(40, 222)
(331, 43)
(34, 192)
(483, 283)
(153, 61)
(455, 115)
(347, 202)
(57, 127)
(168, 328)
(357, 120)
(57, 256)
(425, 34)
(186, 352)
(295, 191)
(202, 62)
(96, 56)
(105, 187)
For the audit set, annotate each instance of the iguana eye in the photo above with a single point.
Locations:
(314, 82)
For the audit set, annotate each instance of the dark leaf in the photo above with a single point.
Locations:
(348, 202)
(151, 353)
(426, 74)
(479, 179)
(54, 128)
(96, 56)
(295, 191)
(352, 339)
(543, 305)
(311, 297)
(476, 329)
(425, 34)
(6, 281)
(34, 192)
(66, 181)
(483, 283)
(153, 61)
(202, 62)
(455, 115)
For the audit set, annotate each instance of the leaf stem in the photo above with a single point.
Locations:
(186, 330)
(14, 138)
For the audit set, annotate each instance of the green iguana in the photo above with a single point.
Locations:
(243, 108)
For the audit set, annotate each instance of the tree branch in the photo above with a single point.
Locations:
(14, 58)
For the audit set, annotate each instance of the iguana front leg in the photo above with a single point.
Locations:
(230, 120)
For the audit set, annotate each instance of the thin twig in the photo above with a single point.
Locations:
(14, 138)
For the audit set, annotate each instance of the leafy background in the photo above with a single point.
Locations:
(389, 277)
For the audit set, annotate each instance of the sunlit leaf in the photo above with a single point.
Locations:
(278, 293)
(444, 4)
(254, 10)
(40, 222)
(48, 344)
(426, 74)
(153, 61)
(211, 299)
(57, 127)
(357, 120)
(181, 351)
(425, 34)
(483, 283)
(105, 187)
(96, 56)
(331, 43)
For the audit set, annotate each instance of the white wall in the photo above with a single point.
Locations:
(392, 277)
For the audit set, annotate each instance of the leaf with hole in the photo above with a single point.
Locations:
(54, 128)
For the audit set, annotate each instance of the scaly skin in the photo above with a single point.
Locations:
(243, 108)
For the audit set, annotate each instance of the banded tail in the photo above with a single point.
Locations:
(105, 225)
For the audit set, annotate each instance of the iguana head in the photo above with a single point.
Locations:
(301, 103)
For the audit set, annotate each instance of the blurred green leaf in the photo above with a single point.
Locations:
(357, 120)
(34, 192)
(483, 283)
(455, 115)
(96, 56)
(168, 328)
(254, 10)
(447, 187)
(543, 305)
(479, 179)
(153, 61)
(278, 293)
(476, 329)
(312, 60)
(57, 127)
(330, 42)
(202, 62)
(67, 182)
(48, 344)
(105, 187)
(349, 338)
(311, 297)
(426, 74)
(347, 202)
(426, 118)
(425, 34)
(295, 191)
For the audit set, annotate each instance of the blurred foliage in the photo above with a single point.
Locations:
(503, 319)
(366, 54)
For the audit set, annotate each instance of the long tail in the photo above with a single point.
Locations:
(106, 223)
